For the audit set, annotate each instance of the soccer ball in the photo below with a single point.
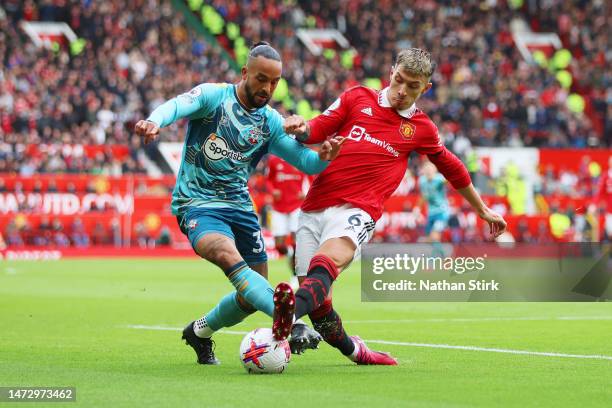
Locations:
(260, 353)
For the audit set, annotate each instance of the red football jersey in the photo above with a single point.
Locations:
(605, 190)
(289, 181)
(374, 157)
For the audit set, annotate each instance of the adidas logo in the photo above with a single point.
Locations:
(367, 111)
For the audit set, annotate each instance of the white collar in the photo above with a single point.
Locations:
(383, 100)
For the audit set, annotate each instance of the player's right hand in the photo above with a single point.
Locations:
(147, 129)
(295, 125)
(497, 224)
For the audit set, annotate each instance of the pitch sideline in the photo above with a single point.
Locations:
(426, 345)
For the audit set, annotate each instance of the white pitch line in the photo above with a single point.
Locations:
(427, 345)
(482, 319)
(143, 327)
(493, 350)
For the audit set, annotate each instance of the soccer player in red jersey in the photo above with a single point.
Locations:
(604, 198)
(346, 199)
(288, 187)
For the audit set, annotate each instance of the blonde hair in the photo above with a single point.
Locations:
(416, 61)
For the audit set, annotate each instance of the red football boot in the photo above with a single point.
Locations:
(284, 308)
(365, 356)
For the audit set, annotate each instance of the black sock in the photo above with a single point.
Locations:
(330, 328)
(312, 291)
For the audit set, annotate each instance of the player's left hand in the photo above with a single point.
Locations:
(497, 224)
(331, 148)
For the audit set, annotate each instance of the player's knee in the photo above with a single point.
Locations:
(340, 250)
(225, 258)
(321, 262)
(218, 250)
(341, 260)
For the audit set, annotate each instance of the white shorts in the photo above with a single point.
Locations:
(314, 228)
(284, 224)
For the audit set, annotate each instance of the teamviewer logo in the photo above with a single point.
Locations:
(356, 133)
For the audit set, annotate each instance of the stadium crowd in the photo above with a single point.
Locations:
(139, 53)
(136, 55)
(483, 90)
(53, 233)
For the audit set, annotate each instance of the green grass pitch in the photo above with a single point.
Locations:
(68, 323)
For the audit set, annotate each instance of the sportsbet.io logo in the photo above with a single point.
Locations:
(215, 148)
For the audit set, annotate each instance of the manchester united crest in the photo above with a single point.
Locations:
(407, 130)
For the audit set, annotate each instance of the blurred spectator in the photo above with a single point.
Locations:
(37, 188)
(71, 188)
(560, 223)
(471, 235)
(99, 235)
(142, 236)
(44, 234)
(543, 234)
(52, 187)
(79, 236)
(91, 187)
(523, 233)
(165, 237)
(60, 239)
(454, 226)
(116, 233)
(14, 238)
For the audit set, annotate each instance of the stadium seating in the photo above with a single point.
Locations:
(483, 87)
(71, 110)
